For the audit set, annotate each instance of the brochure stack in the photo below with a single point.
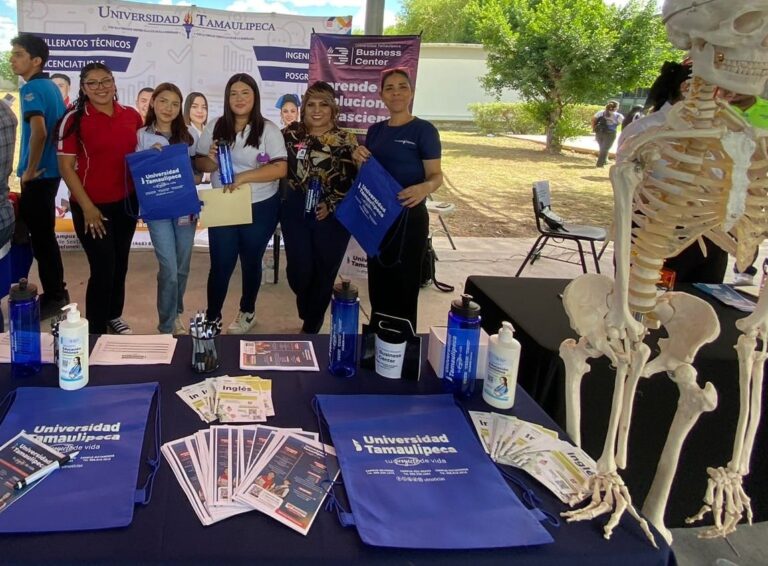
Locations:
(227, 470)
(238, 399)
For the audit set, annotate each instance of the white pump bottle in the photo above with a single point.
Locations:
(503, 363)
(73, 350)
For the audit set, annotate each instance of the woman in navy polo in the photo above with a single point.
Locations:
(94, 138)
(409, 149)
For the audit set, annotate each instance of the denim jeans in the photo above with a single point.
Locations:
(246, 241)
(173, 247)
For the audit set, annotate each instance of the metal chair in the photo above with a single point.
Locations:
(442, 209)
(550, 227)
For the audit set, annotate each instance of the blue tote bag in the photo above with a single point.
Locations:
(417, 477)
(370, 207)
(98, 489)
(164, 181)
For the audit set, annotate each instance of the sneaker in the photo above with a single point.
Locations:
(118, 326)
(242, 323)
(743, 279)
(178, 326)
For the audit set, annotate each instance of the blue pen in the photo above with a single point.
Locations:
(44, 471)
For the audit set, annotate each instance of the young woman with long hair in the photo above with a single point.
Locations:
(196, 112)
(172, 239)
(258, 158)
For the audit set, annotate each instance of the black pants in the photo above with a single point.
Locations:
(690, 265)
(605, 141)
(394, 276)
(314, 251)
(108, 260)
(37, 210)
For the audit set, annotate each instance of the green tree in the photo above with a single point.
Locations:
(439, 21)
(557, 53)
(6, 73)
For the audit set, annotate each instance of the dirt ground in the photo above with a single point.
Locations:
(489, 180)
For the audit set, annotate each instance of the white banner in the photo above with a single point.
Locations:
(197, 49)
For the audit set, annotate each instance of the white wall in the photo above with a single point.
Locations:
(449, 79)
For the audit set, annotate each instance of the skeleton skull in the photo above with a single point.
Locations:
(728, 41)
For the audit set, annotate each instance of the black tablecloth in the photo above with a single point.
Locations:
(535, 308)
(167, 529)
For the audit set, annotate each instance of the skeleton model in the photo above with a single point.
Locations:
(703, 173)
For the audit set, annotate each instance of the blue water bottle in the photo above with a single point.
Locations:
(462, 343)
(312, 199)
(226, 169)
(345, 308)
(24, 312)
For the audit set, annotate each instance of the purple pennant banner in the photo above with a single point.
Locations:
(353, 64)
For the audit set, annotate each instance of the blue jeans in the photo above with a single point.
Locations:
(173, 248)
(246, 241)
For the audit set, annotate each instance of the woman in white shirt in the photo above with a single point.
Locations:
(172, 239)
(259, 161)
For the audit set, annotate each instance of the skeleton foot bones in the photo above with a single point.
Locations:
(726, 500)
(609, 495)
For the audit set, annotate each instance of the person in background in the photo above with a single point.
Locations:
(605, 124)
(314, 247)
(289, 109)
(8, 123)
(172, 239)
(41, 107)
(196, 112)
(409, 149)
(258, 157)
(634, 114)
(142, 101)
(755, 111)
(690, 265)
(64, 83)
(94, 138)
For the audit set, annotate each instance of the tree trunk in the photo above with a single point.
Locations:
(553, 143)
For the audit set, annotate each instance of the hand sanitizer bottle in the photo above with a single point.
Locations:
(73, 350)
(503, 363)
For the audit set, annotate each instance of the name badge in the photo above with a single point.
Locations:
(301, 153)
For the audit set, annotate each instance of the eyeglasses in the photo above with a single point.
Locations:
(93, 85)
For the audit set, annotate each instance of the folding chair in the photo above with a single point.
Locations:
(442, 209)
(551, 227)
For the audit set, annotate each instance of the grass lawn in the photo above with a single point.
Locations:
(489, 180)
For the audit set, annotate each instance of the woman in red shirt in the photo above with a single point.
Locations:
(94, 138)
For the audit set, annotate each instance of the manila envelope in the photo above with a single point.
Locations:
(225, 209)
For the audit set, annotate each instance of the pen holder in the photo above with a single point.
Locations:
(205, 356)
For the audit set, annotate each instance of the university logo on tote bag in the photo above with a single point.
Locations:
(371, 206)
(164, 181)
(98, 489)
(417, 477)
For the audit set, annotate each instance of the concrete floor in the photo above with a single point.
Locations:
(276, 313)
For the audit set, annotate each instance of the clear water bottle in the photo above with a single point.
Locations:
(226, 169)
(312, 199)
(345, 309)
(24, 312)
(462, 345)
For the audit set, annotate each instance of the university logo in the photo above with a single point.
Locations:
(188, 25)
(338, 55)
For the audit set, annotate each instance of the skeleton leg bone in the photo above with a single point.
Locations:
(575, 356)
(692, 403)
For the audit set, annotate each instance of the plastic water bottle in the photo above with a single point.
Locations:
(226, 169)
(345, 309)
(312, 199)
(462, 344)
(24, 312)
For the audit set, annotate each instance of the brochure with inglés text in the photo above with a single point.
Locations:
(558, 465)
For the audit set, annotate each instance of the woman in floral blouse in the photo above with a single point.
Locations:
(319, 153)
